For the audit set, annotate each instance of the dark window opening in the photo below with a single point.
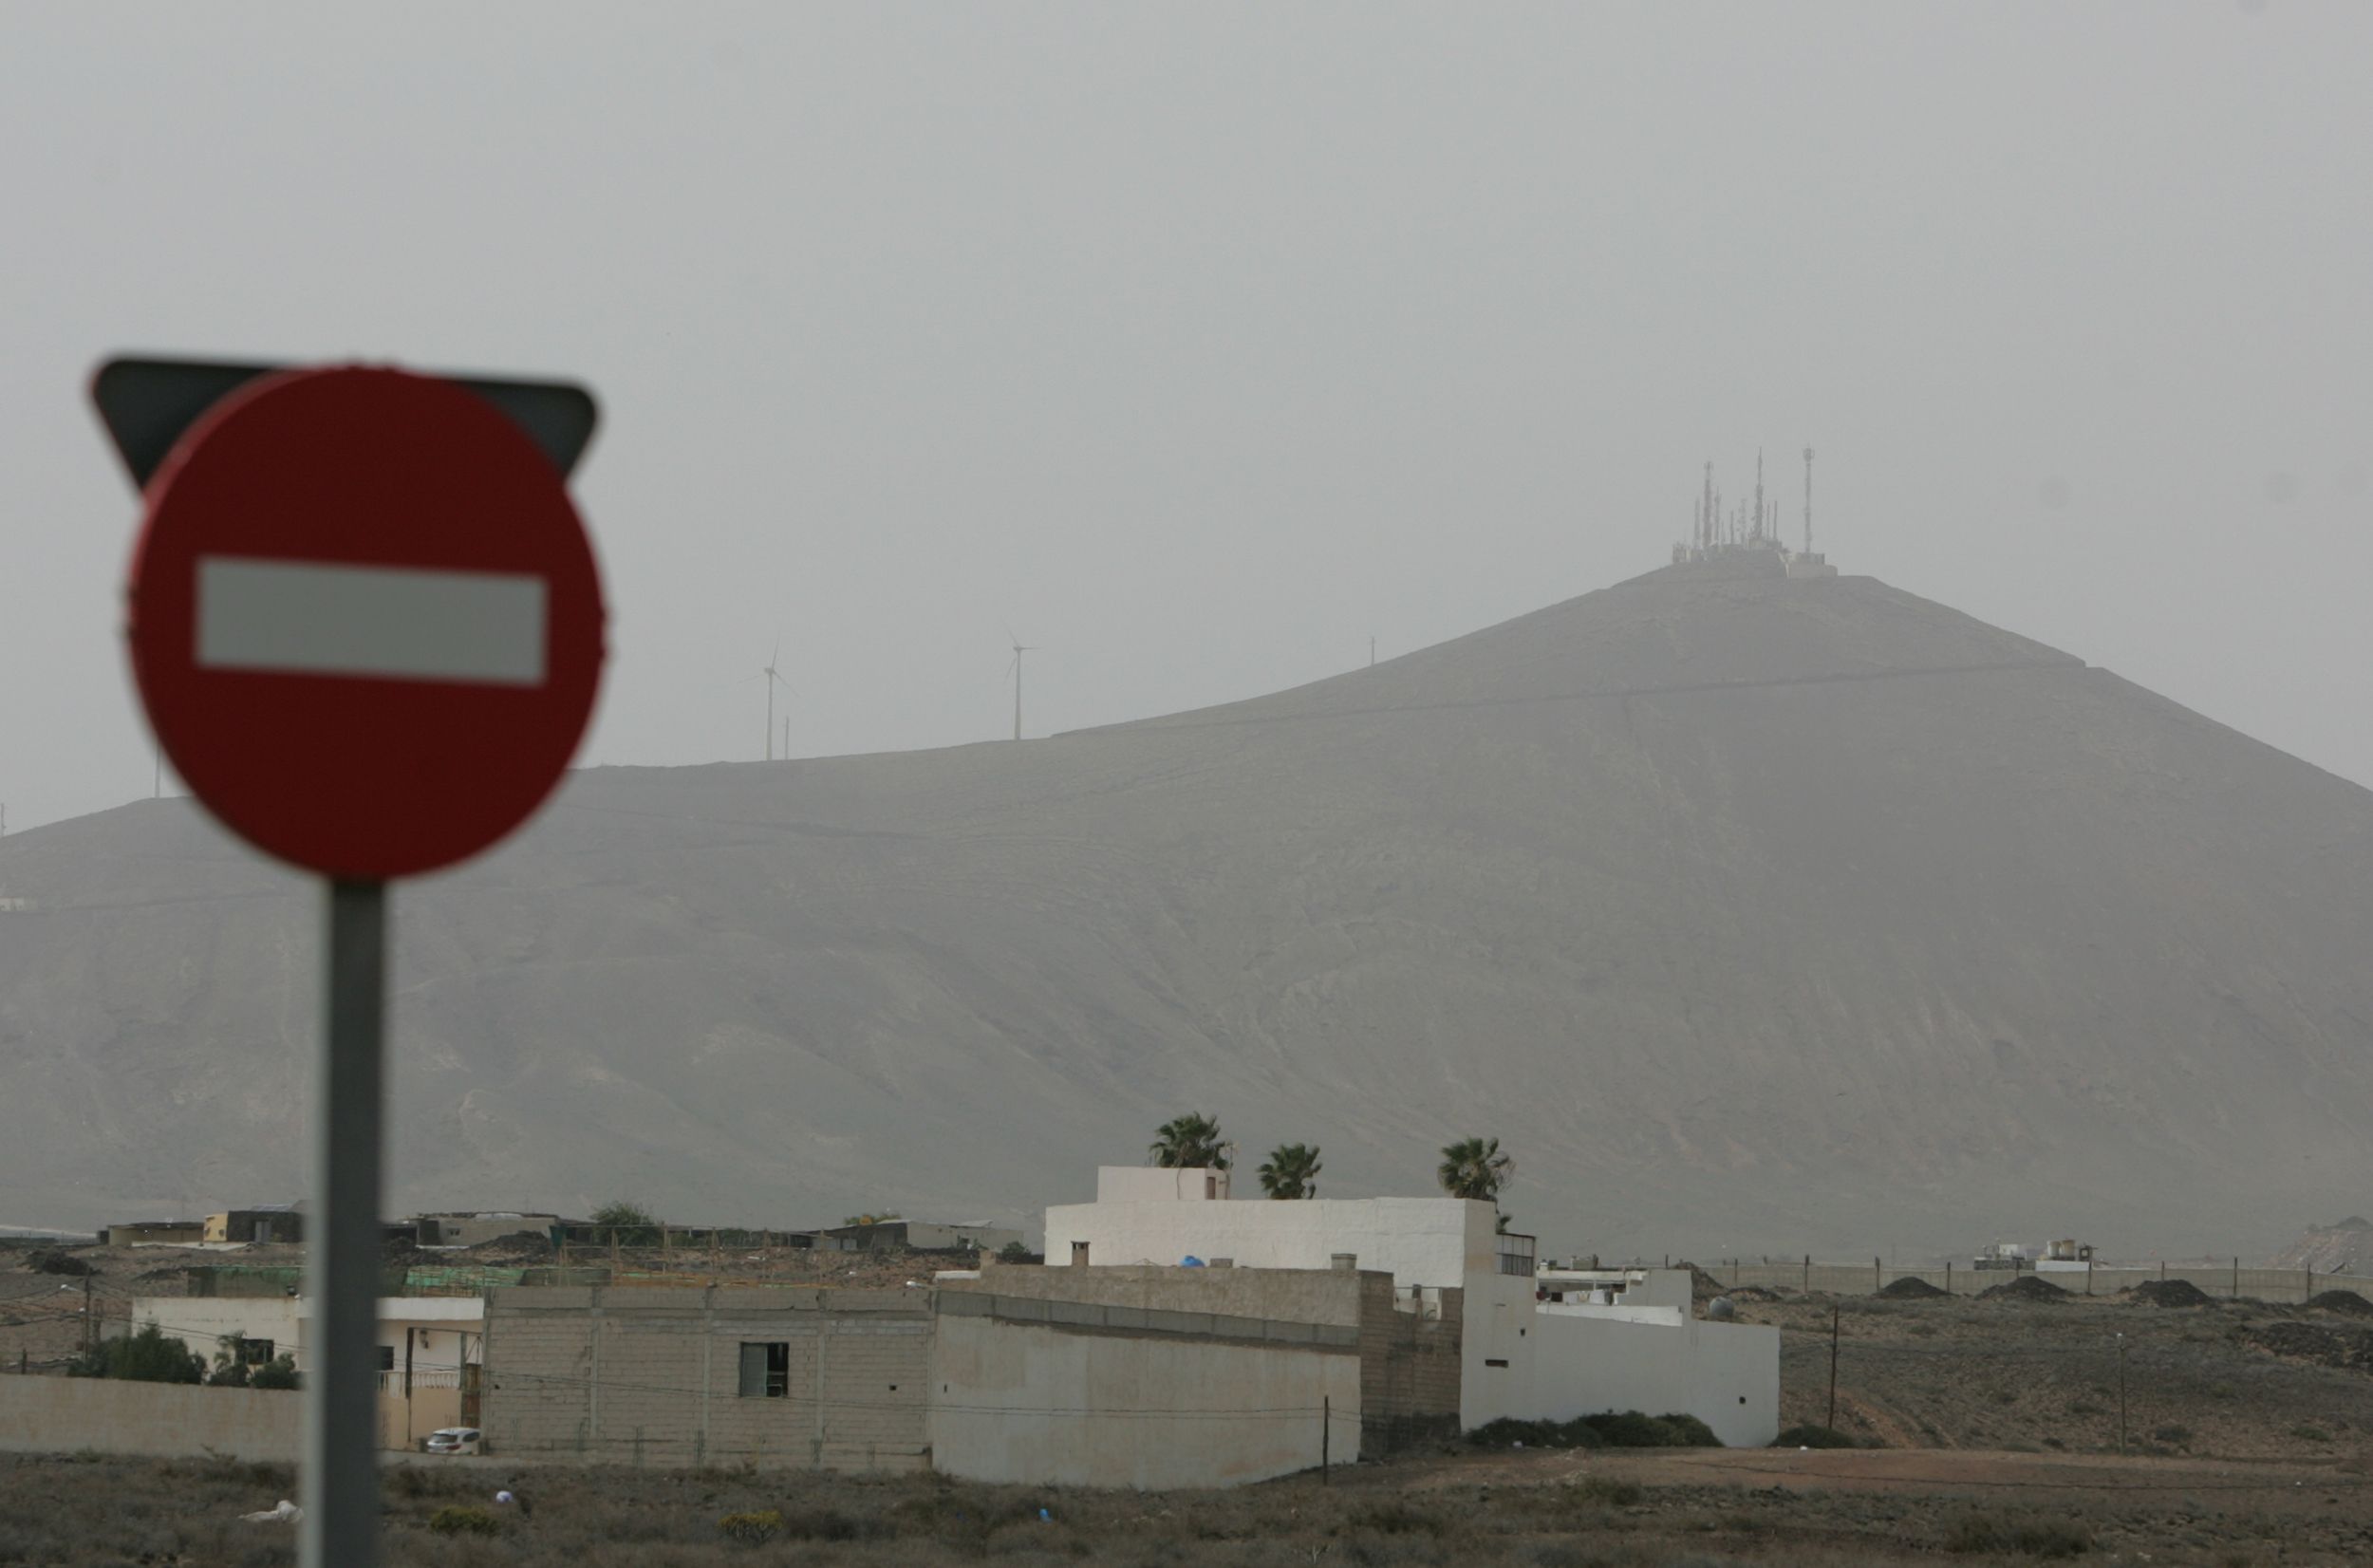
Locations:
(386, 1358)
(1079, 1254)
(1493, 1361)
(255, 1353)
(765, 1368)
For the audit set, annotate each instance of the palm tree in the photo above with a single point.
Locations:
(1291, 1171)
(1474, 1167)
(1189, 1143)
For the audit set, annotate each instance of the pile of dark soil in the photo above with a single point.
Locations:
(2342, 1300)
(2170, 1292)
(1703, 1286)
(46, 1260)
(1627, 1430)
(2350, 1349)
(2026, 1287)
(519, 1247)
(1911, 1288)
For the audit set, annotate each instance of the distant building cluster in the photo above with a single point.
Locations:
(1175, 1336)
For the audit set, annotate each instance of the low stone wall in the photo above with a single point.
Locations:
(168, 1419)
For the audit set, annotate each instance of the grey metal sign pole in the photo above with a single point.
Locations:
(340, 1474)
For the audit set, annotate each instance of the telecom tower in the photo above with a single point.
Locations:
(1808, 500)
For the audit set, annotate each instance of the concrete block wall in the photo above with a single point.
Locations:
(1409, 1366)
(171, 1420)
(1297, 1296)
(652, 1376)
(1041, 1392)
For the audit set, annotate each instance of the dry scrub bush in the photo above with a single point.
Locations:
(458, 1520)
(753, 1529)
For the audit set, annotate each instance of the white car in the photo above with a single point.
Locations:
(454, 1440)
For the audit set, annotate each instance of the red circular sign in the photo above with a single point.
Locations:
(365, 620)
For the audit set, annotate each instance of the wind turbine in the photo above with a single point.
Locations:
(775, 678)
(1014, 670)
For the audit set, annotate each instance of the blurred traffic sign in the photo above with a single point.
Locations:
(367, 626)
(365, 617)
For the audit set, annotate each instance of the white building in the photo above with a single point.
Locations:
(1521, 1356)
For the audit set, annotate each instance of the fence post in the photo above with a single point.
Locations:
(1832, 1423)
(1948, 1277)
(1809, 1274)
(1874, 1276)
(1326, 1440)
(2237, 1279)
(2122, 1393)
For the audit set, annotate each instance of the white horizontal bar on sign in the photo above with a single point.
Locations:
(319, 618)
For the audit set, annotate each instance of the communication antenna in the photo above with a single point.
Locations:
(1759, 493)
(1014, 670)
(1808, 500)
(1706, 511)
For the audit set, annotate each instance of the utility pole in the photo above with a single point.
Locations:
(2122, 1393)
(90, 1334)
(1018, 651)
(1326, 1440)
(1832, 1422)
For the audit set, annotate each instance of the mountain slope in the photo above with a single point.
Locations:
(1751, 914)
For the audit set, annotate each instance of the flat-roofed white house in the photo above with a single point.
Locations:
(1521, 1355)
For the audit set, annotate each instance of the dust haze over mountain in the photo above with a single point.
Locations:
(1199, 343)
(1750, 913)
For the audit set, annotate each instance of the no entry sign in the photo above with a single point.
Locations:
(367, 625)
(365, 619)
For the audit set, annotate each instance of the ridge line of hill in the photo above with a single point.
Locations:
(1182, 723)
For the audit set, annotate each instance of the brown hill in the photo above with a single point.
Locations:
(1749, 913)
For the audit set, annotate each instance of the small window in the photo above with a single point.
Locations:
(765, 1368)
(1493, 1361)
(386, 1358)
(1080, 1253)
(255, 1353)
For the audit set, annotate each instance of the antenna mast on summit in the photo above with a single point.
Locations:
(1759, 493)
(1808, 500)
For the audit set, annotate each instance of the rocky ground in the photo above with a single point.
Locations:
(1663, 1509)
(2235, 1380)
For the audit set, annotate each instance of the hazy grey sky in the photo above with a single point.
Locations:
(1199, 343)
